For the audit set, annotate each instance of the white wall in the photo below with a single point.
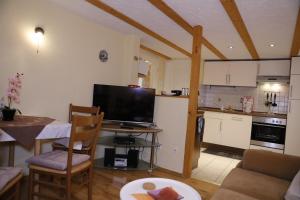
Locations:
(177, 74)
(157, 72)
(67, 66)
(130, 64)
(171, 115)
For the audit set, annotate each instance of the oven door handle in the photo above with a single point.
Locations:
(268, 125)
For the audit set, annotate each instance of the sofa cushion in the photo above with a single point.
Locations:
(226, 194)
(57, 159)
(7, 174)
(255, 184)
(272, 164)
(293, 192)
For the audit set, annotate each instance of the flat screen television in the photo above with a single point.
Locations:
(125, 104)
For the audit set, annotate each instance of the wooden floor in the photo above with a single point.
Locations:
(107, 184)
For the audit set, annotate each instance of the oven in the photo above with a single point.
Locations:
(268, 132)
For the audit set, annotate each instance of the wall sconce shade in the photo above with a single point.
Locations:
(38, 37)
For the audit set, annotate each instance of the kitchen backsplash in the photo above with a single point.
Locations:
(216, 96)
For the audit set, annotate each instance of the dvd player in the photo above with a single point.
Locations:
(124, 140)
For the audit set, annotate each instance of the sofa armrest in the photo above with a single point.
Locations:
(240, 165)
(270, 163)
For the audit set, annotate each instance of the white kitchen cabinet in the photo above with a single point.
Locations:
(292, 139)
(230, 73)
(236, 131)
(274, 68)
(212, 131)
(295, 69)
(243, 73)
(215, 73)
(227, 129)
(294, 92)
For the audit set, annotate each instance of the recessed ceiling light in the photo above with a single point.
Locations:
(271, 45)
(230, 47)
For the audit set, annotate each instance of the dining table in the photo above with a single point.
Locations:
(30, 132)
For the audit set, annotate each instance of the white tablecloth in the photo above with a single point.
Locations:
(55, 129)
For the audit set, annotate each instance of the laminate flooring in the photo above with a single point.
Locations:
(108, 183)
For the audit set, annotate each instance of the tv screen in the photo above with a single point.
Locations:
(125, 104)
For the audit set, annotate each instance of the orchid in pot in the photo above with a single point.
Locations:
(13, 96)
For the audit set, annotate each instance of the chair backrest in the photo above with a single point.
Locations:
(85, 129)
(82, 110)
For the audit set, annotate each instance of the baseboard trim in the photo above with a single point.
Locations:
(170, 171)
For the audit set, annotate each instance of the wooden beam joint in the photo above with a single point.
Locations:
(173, 15)
(237, 20)
(137, 25)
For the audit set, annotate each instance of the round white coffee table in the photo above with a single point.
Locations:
(137, 187)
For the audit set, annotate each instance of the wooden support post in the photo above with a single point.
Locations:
(193, 101)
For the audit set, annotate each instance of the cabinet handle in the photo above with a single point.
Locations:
(291, 91)
(229, 78)
(226, 79)
(237, 119)
(220, 126)
(290, 106)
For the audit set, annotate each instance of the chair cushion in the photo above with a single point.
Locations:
(293, 192)
(225, 194)
(7, 174)
(256, 185)
(57, 159)
(65, 143)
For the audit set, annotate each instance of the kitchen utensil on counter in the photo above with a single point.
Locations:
(267, 100)
(274, 104)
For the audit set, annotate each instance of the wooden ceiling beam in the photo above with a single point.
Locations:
(155, 52)
(137, 25)
(173, 15)
(296, 41)
(237, 20)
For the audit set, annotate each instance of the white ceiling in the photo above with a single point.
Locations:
(267, 21)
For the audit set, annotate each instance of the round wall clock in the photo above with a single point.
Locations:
(103, 56)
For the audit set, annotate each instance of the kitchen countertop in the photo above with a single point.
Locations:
(201, 110)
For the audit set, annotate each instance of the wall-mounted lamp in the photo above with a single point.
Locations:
(38, 37)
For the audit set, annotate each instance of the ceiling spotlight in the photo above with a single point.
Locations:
(271, 45)
(230, 47)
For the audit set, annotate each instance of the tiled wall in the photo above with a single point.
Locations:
(215, 96)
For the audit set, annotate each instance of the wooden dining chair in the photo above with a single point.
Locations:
(62, 144)
(66, 164)
(10, 180)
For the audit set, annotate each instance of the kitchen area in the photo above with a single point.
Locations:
(242, 105)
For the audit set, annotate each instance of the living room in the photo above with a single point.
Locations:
(60, 50)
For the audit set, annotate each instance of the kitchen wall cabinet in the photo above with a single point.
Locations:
(295, 68)
(216, 73)
(227, 129)
(274, 68)
(243, 73)
(230, 73)
(294, 92)
(292, 139)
